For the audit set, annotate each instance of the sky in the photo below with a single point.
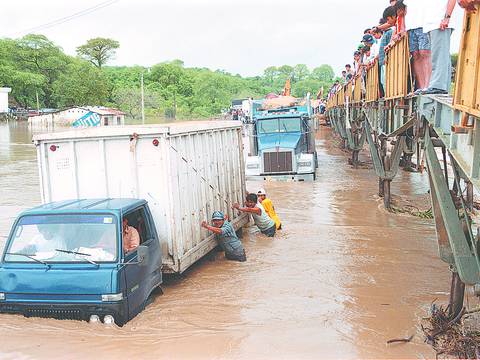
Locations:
(241, 37)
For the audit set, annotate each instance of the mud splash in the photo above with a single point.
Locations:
(342, 278)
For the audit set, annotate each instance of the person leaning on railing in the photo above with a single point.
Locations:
(418, 43)
(384, 41)
(436, 24)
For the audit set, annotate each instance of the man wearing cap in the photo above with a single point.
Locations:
(226, 237)
(371, 42)
(260, 217)
(269, 208)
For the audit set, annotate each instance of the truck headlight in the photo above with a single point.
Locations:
(112, 297)
(252, 166)
(304, 163)
(2, 296)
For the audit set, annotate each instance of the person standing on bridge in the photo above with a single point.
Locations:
(269, 208)
(226, 237)
(260, 216)
(436, 24)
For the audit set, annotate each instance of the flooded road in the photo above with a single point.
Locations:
(341, 279)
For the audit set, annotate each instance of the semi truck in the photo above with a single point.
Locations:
(282, 143)
(65, 258)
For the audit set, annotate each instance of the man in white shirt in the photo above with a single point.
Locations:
(436, 24)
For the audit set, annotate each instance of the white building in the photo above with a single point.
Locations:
(79, 117)
(4, 99)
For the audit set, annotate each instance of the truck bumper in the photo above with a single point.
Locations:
(65, 311)
(282, 177)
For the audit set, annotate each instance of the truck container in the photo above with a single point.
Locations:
(68, 257)
(185, 171)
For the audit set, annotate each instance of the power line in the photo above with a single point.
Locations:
(69, 17)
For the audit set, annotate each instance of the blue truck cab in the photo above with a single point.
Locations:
(282, 144)
(65, 260)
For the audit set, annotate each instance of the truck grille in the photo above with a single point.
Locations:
(277, 162)
(66, 314)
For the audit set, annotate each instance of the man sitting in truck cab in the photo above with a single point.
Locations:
(226, 237)
(130, 237)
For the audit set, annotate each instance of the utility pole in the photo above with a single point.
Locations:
(143, 101)
(38, 102)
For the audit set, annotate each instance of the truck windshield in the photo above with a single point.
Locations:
(269, 126)
(63, 238)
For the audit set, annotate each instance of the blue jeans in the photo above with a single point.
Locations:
(441, 62)
(270, 232)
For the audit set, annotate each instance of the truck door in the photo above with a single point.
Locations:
(142, 278)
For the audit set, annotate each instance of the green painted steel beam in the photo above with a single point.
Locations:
(377, 162)
(465, 261)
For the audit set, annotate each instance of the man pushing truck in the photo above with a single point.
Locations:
(226, 237)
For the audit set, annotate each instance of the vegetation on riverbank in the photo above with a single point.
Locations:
(34, 65)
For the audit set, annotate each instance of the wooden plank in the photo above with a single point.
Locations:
(397, 70)
(467, 83)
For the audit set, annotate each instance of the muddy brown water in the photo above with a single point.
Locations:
(341, 279)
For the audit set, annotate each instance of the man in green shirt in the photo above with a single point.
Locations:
(226, 237)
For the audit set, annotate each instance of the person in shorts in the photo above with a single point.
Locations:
(419, 45)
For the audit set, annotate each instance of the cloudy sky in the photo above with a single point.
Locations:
(241, 37)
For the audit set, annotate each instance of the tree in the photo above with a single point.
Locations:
(80, 84)
(129, 100)
(323, 73)
(98, 51)
(171, 80)
(270, 74)
(25, 85)
(37, 55)
(300, 72)
(303, 87)
(213, 93)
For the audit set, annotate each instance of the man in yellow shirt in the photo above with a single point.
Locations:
(269, 208)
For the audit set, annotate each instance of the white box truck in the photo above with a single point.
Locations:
(185, 171)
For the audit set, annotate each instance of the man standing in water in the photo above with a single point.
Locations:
(226, 237)
(260, 217)
(269, 208)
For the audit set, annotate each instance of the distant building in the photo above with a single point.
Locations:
(4, 99)
(79, 117)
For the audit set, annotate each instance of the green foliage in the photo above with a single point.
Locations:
(34, 64)
(454, 58)
(80, 84)
(98, 51)
(323, 73)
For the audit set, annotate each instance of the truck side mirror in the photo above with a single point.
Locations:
(142, 255)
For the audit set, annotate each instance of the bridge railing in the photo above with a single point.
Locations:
(373, 83)
(397, 70)
(357, 89)
(467, 84)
